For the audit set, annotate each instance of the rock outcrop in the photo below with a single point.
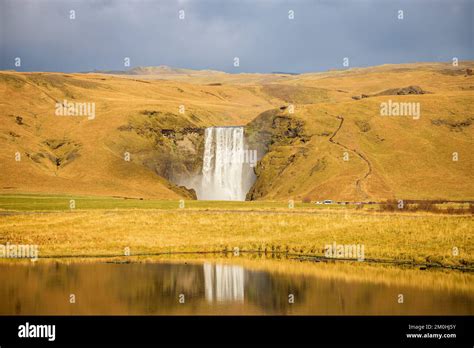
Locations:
(394, 91)
(268, 134)
(172, 150)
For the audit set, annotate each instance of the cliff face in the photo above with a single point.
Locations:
(172, 153)
(271, 133)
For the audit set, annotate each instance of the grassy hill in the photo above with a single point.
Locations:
(337, 117)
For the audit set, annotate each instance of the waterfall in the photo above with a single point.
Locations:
(227, 172)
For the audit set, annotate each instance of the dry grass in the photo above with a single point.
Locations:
(428, 206)
(418, 237)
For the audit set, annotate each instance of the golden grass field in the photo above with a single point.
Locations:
(96, 228)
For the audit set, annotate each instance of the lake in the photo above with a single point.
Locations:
(229, 287)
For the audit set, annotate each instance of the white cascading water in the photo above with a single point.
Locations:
(225, 173)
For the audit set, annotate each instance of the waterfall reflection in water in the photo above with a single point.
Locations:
(224, 283)
(223, 288)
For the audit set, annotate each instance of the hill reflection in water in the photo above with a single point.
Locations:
(209, 288)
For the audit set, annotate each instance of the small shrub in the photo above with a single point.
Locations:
(425, 206)
(389, 205)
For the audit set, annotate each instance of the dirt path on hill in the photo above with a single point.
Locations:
(358, 182)
(40, 89)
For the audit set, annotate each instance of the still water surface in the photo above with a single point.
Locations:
(209, 288)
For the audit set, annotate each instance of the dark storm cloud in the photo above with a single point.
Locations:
(215, 31)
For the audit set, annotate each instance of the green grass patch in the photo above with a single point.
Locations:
(46, 202)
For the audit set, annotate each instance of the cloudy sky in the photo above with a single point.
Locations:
(213, 32)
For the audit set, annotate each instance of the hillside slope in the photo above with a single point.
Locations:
(74, 154)
(342, 148)
(336, 145)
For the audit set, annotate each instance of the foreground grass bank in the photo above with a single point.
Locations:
(101, 226)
